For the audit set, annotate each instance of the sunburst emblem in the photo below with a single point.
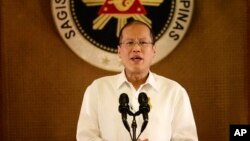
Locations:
(121, 10)
(91, 27)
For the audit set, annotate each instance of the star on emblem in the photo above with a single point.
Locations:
(105, 61)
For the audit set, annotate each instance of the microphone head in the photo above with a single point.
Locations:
(123, 100)
(143, 101)
(144, 109)
(123, 109)
(143, 98)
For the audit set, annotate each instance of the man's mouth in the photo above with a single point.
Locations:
(136, 58)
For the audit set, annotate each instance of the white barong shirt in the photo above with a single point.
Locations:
(170, 116)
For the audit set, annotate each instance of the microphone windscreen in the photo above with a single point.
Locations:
(143, 98)
(123, 99)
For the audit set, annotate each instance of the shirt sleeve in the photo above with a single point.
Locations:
(183, 124)
(88, 128)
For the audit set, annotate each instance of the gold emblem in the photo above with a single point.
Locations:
(170, 20)
(121, 10)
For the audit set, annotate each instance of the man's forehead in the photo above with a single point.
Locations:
(127, 31)
(134, 29)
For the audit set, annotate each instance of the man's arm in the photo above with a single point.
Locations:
(87, 128)
(183, 124)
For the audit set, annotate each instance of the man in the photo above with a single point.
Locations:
(170, 116)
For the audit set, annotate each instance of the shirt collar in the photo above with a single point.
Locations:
(150, 80)
(122, 79)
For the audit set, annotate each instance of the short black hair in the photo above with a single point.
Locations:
(131, 22)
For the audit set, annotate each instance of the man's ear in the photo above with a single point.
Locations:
(118, 50)
(154, 50)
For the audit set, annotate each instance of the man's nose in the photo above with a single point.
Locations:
(136, 48)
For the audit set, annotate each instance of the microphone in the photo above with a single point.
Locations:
(144, 109)
(124, 108)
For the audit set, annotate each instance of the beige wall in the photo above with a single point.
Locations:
(42, 80)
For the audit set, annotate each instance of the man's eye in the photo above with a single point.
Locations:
(142, 43)
(130, 43)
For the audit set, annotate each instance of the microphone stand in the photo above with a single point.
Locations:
(134, 126)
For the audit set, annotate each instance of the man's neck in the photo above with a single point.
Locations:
(137, 79)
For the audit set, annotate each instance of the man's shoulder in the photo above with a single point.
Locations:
(169, 85)
(165, 80)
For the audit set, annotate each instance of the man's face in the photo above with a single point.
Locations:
(136, 49)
